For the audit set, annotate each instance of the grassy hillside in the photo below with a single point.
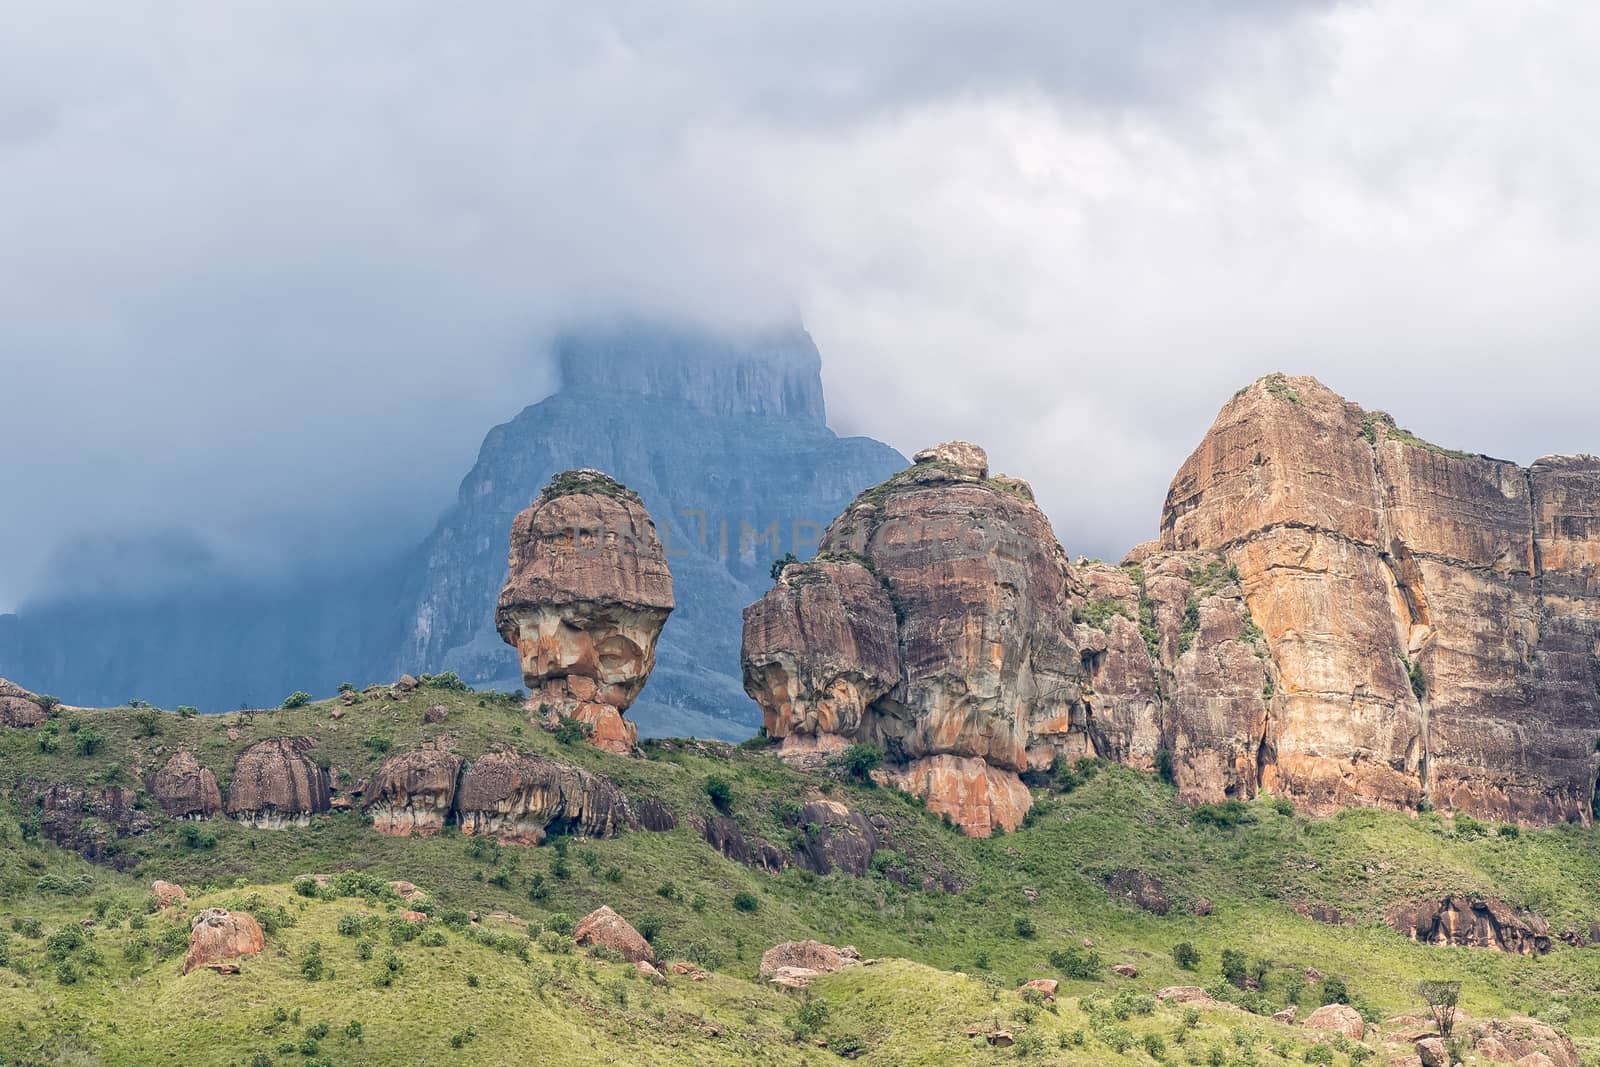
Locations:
(1028, 901)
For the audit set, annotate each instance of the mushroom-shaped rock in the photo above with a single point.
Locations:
(18, 707)
(518, 798)
(1339, 1019)
(185, 788)
(818, 649)
(606, 928)
(275, 784)
(587, 595)
(218, 934)
(412, 793)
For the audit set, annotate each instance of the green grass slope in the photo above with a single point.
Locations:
(513, 987)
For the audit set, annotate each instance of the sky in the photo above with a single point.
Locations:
(269, 271)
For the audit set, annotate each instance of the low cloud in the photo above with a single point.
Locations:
(267, 273)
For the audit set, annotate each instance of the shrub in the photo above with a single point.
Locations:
(746, 901)
(570, 731)
(350, 925)
(1185, 955)
(297, 699)
(848, 1045)
(445, 680)
(1076, 962)
(1224, 816)
(1466, 827)
(311, 966)
(1441, 997)
(1334, 990)
(776, 570)
(1508, 830)
(1155, 1047)
(88, 741)
(537, 889)
(1319, 1054)
(720, 792)
(860, 760)
(377, 745)
(187, 711)
(1234, 966)
(149, 721)
(1024, 927)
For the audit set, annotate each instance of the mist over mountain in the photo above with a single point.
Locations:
(723, 434)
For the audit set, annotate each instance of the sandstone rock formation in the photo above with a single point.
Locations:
(18, 707)
(1337, 1019)
(588, 592)
(167, 894)
(834, 838)
(275, 784)
(1475, 923)
(1336, 612)
(185, 789)
(413, 793)
(217, 935)
(518, 798)
(606, 928)
(1431, 616)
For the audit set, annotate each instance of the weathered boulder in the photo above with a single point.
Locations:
(793, 964)
(1045, 987)
(275, 784)
(606, 928)
(1337, 1019)
(217, 934)
(587, 595)
(723, 834)
(520, 798)
(167, 894)
(412, 793)
(185, 788)
(18, 707)
(834, 838)
(1433, 1052)
(1472, 922)
(1143, 890)
(655, 816)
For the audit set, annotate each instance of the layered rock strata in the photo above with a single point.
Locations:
(588, 593)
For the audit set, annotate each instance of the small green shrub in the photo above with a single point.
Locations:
(720, 792)
(745, 901)
(297, 699)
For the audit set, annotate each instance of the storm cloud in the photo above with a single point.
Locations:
(268, 271)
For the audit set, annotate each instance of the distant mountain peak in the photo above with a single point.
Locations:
(770, 371)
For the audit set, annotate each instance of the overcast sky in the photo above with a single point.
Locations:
(268, 271)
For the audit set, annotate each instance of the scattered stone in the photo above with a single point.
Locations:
(414, 916)
(1287, 1014)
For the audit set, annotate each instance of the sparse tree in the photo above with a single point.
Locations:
(1441, 998)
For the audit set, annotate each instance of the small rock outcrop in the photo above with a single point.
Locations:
(1473, 923)
(793, 964)
(218, 935)
(834, 838)
(275, 785)
(723, 834)
(18, 707)
(606, 928)
(88, 820)
(587, 595)
(1337, 1019)
(167, 894)
(519, 798)
(185, 788)
(1143, 890)
(413, 793)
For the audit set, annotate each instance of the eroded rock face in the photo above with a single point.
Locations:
(275, 785)
(975, 795)
(89, 820)
(217, 935)
(185, 788)
(1431, 616)
(518, 799)
(588, 592)
(18, 707)
(1460, 920)
(413, 793)
(834, 838)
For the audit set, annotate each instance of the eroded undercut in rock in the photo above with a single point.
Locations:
(587, 595)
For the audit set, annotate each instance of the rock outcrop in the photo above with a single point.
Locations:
(1337, 1019)
(834, 838)
(89, 820)
(934, 624)
(1474, 923)
(275, 785)
(1336, 612)
(1431, 616)
(218, 935)
(413, 793)
(793, 964)
(519, 799)
(18, 707)
(588, 592)
(605, 928)
(185, 788)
